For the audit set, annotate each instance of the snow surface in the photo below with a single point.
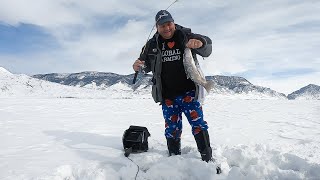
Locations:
(52, 131)
(3, 71)
(69, 138)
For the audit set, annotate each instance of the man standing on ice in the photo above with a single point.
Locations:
(163, 55)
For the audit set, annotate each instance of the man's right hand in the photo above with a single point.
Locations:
(137, 64)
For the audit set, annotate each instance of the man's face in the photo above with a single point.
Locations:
(166, 30)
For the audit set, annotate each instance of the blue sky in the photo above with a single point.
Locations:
(271, 43)
(24, 39)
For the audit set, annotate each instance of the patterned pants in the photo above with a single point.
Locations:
(172, 113)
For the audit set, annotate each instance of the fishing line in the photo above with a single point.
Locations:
(144, 47)
(137, 166)
(136, 73)
(156, 23)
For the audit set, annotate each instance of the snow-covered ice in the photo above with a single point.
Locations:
(52, 131)
(68, 138)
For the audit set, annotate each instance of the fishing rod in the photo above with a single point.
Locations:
(128, 151)
(144, 47)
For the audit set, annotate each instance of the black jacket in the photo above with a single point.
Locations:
(151, 54)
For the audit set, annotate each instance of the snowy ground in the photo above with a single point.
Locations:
(71, 138)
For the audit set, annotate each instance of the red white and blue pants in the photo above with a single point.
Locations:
(172, 112)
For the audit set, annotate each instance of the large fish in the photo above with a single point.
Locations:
(193, 73)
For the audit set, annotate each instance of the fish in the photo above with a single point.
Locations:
(193, 72)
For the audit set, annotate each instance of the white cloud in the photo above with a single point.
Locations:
(44, 13)
(263, 39)
(262, 36)
(108, 52)
(55, 13)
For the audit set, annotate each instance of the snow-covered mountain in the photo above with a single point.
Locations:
(20, 85)
(226, 86)
(311, 91)
(83, 79)
(106, 85)
(238, 86)
(17, 85)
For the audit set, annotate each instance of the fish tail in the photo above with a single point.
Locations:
(209, 85)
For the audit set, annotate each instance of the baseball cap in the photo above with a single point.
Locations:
(163, 16)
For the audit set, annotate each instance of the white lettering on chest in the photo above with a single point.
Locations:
(171, 55)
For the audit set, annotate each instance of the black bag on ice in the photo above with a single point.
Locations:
(135, 139)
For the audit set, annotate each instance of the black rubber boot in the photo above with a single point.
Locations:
(174, 146)
(203, 143)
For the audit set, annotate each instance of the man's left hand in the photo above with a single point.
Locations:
(194, 44)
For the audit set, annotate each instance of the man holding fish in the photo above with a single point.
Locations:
(177, 80)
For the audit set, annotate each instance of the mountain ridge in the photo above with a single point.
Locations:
(310, 91)
(121, 86)
(231, 85)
